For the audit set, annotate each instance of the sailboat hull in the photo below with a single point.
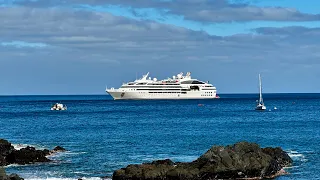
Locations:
(261, 108)
(260, 105)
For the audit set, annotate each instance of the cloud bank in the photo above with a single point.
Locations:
(207, 11)
(79, 51)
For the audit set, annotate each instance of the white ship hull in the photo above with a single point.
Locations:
(180, 87)
(117, 95)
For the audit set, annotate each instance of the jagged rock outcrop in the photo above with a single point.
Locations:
(239, 161)
(5, 150)
(58, 149)
(27, 155)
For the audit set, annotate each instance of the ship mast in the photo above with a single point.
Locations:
(260, 90)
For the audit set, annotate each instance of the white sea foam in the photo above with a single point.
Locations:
(20, 146)
(53, 175)
(57, 178)
(15, 165)
(58, 155)
(293, 152)
(79, 172)
(72, 153)
(290, 167)
(297, 156)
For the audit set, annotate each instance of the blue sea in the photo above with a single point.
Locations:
(102, 135)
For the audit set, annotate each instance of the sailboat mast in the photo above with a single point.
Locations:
(260, 88)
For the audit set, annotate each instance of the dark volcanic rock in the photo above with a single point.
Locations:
(5, 149)
(4, 176)
(278, 155)
(58, 149)
(242, 160)
(27, 155)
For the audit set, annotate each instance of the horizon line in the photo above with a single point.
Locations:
(109, 95)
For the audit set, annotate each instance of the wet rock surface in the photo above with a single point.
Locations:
(58, 149)
(27, 155)
(242, 160)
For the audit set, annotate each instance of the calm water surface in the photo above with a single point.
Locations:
(102, 135)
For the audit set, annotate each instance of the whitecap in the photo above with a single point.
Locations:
(297, 156)
(58, 178)
(290, 167)
(20, 146)
(81, 172)
(57, 155)
(15, 165)
(294, 152)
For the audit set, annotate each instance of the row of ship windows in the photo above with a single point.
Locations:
(173, 93)
(173, 83)
(168, 92)
(151, 86)
(168, 89)
(176, 86)
(208, 94)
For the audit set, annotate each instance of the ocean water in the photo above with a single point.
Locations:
(102, 135)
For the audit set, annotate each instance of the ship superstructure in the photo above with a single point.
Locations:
(177, 87)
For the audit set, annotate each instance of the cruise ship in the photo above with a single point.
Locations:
(177, 87)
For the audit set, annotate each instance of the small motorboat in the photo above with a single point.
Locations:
(59, 107)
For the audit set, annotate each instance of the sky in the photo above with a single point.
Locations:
(81, 46)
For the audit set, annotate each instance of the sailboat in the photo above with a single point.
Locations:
(260, 104)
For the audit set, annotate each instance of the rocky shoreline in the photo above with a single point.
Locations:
(28, 155)
(242, 160)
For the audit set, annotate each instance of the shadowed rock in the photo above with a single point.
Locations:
(5, 150)
(27, 155)
(278, 155)
(58, 149)
(242, 160)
